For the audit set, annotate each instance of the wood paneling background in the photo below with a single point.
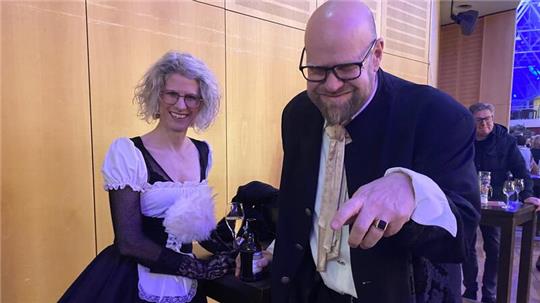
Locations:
(293, 13)
(47, 201)
(460, 63)
(497, 63)
(67, 78)
(479, 67)
(406, 27)
(256, 96)
(1, 149)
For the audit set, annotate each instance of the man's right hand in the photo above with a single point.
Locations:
(262, 263)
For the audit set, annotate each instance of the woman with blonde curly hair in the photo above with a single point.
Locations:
(159, 196)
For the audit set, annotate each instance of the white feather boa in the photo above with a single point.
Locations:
(191, 217)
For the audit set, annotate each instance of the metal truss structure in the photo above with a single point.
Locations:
(526, 80)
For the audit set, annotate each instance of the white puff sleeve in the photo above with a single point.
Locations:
(124, 166)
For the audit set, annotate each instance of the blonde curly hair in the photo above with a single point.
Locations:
(148, 89)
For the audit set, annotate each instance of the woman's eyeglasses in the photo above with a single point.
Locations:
(171, 97)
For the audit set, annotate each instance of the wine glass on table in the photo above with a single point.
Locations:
(519, 186)
(234, 218)
(508, 190)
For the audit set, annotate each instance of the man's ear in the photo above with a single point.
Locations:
(376, 57)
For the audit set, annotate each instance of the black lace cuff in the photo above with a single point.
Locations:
(173, 263)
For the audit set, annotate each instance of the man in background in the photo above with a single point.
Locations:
(526, 153)
(496, 152)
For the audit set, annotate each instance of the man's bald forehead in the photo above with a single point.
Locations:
(342, 16)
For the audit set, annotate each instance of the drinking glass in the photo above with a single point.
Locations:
(484, 179)
(508, 190)
(519, 186)
(234, 218)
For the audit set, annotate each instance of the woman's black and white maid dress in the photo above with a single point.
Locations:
(172, 214)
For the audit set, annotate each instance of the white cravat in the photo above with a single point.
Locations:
(431, 209)
(333, 195)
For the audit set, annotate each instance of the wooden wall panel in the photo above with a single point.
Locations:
(448, 59)
(411, 70)
(262, 76)
(460, 61)
(406, 28)
(1, 158)
(293, 13)
(125, 39)
(497, 63)
(469, 65)
(47, 206)
(479, 67)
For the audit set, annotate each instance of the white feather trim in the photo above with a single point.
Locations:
(191, 217)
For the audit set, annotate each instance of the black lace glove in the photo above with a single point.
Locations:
(220, 239)
(216, 266)
(221, 264)
(131, 242)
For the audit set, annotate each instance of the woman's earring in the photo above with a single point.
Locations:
(155, 116)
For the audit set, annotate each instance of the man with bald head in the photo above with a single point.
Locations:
(378, 194)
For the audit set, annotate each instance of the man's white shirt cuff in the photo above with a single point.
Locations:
(431, 203)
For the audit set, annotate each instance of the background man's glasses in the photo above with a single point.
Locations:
(171, 97)
(344, 71)
(486, 119)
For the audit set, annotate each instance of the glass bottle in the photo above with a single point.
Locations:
(484, 178)
(250, 253)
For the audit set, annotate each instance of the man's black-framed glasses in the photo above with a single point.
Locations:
(171, 97)
(344, 71)
(485, 119)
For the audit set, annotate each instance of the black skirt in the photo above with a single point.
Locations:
(110, 277)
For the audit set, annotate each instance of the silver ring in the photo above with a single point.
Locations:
(380, 224)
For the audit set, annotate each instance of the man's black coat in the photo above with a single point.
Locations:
(405, 125)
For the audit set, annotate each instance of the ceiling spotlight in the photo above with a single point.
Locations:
(466, 20)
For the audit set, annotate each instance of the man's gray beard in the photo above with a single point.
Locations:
(335, 115)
